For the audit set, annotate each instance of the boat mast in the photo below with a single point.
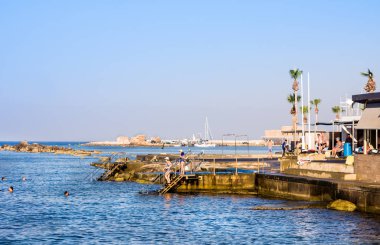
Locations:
(208, 135)
(206, 129)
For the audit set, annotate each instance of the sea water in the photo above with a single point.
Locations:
(112, 212)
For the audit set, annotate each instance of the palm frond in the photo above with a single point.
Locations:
(336, 109)
(304, 109)
(291, 98)
(295, 73)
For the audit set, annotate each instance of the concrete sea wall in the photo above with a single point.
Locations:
(295, 188)
(367, 168)
(221, 183)
(365, 197)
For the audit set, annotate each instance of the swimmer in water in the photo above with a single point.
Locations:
(23, 178)
(66, 193)
(10, 189)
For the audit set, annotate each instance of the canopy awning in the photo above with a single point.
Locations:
(370, 119)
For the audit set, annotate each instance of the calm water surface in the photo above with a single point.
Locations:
(97, 212)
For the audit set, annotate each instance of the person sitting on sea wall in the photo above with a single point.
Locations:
(370, 147)
(338, 147)
(324, 147)
(298, 149)
(319, 143)
(167, 169)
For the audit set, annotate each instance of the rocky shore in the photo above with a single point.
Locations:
(24, 146)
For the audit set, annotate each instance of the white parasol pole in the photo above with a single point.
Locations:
(308, 105)
(303, 124)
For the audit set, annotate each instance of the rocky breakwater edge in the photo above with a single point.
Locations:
(24, 146)
(149, 169)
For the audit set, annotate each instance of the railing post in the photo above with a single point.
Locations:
(236, 166)
(214, 166)
(258, 164)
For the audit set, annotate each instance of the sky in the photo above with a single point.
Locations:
(94, 70)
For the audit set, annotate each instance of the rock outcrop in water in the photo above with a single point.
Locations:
(23, 146)
(342, 205)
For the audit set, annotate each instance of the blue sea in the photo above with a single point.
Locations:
(116, 213)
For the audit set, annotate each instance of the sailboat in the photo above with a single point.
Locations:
(208, 136)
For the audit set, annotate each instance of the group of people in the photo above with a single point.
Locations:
(10, 188)
(23, 178)
(321, 145)
(169, 165)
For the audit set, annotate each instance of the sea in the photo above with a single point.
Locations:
(37, 212)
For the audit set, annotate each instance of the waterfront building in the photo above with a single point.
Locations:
(369, 124)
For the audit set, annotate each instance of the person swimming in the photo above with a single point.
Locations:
(66, 193)
(3, 178)
(23, 178)
(10, 189)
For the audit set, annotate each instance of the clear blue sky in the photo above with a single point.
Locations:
(94, 70)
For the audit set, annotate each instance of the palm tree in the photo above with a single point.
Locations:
(291, 99)
(305, 110)
(315, 103)
(295, 74)
(336, 110)
(370, 87)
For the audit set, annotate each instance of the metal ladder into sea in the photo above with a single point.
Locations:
(177, 182)
(112, 160)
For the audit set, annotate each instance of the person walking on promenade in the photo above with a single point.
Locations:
(167, 169)
(270, 148)
(283, 146)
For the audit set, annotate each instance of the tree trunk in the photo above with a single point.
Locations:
(316, 120)
(296, 116)
(370, 87)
